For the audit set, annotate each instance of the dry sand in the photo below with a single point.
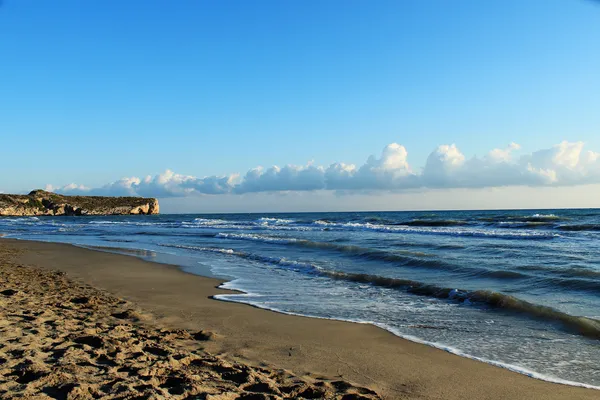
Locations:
(64, 340)
(118, 326)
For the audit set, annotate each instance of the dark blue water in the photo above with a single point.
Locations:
(519, 289)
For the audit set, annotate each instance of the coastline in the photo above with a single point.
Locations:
(414, 339)
(361, 353)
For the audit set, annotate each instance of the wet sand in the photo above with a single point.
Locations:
(203, 345)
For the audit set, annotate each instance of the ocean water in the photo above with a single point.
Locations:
(519, 289)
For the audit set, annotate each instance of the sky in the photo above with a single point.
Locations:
(217, 106)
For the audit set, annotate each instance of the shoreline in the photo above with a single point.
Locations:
(469, 376)
(452, 350)
(448, 349)
(64, 340)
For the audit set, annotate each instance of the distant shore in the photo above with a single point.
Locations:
(318, 353)
(39, 203)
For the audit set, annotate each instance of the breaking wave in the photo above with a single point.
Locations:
(458, 228)
(419, 259)
(274, 221)
(584, 326)
(466, 232)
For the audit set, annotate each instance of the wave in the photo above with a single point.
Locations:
(419, 259)
(246, 297)
(28, 220)
(378, 220)
(543, 217)
(581, 272)
(573, 283)
(263, 221)
(582, 227)
(421, 227)
(281, 261)
(274, 221)
(473, 232)
(413, 222)
(525, 218)
(133, 223)
(504, 274)
(260, 224)
(572, 279)
(434, 223)
(515, 368)
(448, 246)
(408, 258)
(257, 238)
(204, 221)
(573, 272)
(584, 326)
(173, 234)
(524, 224)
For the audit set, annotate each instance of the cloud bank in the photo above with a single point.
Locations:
(564, 164)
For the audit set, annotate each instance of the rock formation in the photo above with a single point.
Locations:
(40, 202)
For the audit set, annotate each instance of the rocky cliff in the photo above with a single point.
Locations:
(40, 202)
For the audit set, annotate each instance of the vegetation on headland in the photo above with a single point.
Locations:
(41, 202)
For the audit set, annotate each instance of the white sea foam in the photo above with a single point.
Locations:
(273, 230)
(272, 224)
(454, 231)
(27, 220)
(132, 223)
(256, 238)
(319, 225)
(511, 367)
(246, 299)
(545, 216)
(204, 221)
(274, 221)
(207, 249)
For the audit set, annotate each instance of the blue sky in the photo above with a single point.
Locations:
(95, 91)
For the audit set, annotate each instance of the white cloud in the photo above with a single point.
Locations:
(426, 199)
(72, 187)
(443, 167)
(167, 184)
(290, 177)
(503, 155)
(564, 164)
(390, 172)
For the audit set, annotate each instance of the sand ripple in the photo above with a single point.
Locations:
(63, 340)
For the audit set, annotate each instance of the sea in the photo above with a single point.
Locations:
(519, 289)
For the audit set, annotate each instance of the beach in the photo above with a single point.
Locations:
(67, 340)
(300, 200)
(150, 329)
(511, 288)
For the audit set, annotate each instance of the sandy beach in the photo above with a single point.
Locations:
(77, 323)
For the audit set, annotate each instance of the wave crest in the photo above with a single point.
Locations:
(584, 326)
